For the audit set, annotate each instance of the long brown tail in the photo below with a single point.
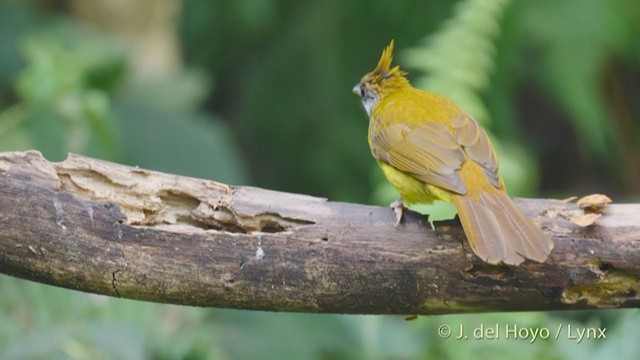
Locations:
(498, 231)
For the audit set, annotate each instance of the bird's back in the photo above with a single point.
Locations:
(412, 106)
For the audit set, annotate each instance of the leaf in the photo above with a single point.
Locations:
(594, 202)
(585, 220)
(458, 59)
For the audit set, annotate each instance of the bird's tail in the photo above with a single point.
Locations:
(498, 231)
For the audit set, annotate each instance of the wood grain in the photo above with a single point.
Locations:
(122, 231)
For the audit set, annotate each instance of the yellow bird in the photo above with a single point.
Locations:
(430, 149)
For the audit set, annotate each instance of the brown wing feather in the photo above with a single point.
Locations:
(427, 151)
(499, 232)
(477, 146)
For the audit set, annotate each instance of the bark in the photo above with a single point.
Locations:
(122, 231)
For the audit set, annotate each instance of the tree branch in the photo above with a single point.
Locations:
(122, 231)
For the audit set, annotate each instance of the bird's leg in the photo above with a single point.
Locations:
(398, 208)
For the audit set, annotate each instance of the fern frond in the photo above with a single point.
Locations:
(458, 59)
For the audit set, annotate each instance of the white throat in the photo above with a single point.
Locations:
(369, 103)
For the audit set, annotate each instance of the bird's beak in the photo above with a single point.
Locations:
(356, 89)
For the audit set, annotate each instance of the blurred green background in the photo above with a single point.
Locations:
(258, 92)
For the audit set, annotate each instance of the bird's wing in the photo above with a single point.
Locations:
(477, 146)
(428, 151)
(433, 154)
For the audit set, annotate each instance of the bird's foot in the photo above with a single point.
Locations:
(398, 208)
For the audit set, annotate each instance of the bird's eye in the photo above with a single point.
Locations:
(362, 91)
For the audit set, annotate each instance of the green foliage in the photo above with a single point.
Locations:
(76, 94)
(61, 109)
(574, 53)
(458, 59)
(43, 322)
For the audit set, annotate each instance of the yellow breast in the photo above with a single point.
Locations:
(412, 190)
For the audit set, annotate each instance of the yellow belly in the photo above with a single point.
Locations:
(412, 190)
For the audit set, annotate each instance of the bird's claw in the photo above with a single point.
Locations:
(398, 208)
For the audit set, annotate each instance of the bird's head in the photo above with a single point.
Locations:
(381, 81)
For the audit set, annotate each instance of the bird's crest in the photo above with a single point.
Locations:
(384, 64)
(384, 69)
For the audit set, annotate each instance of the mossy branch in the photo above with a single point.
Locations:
(122, 231)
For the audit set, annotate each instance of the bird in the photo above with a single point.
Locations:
(430, 149)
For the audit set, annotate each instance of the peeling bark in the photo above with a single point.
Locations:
(122, 231)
